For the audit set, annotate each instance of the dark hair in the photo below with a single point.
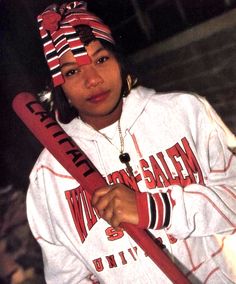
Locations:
(65, 111)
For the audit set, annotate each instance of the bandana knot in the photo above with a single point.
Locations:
(50, 21)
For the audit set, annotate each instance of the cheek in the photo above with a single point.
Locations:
(66, 87)
(70, 90)
(117, 77)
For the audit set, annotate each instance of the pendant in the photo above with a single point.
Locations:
(124, 158)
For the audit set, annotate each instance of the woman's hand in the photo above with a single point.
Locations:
(116, 204)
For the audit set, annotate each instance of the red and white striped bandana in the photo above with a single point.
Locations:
(56, 26)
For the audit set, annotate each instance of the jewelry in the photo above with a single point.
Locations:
(130, 83)
(124, 157)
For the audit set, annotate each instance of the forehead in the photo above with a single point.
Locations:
(93, 48)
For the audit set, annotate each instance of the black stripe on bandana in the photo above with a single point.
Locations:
(46, 39)
(64, 48)
(51, 55)
(71, 36)
(56, 70)
(79, 50)
(58, 39)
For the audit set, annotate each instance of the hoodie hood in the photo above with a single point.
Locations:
(133, 106)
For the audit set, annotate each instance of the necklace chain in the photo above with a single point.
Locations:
(122, 143)
(121, 150)
(123, 157)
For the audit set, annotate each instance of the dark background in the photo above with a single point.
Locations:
(135, 24)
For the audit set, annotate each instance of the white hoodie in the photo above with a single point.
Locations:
(186, 174)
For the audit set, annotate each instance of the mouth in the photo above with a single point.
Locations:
(99, 97)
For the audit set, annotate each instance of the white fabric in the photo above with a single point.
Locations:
(176, 135)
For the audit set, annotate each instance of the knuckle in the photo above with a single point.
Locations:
(116, 201)
(116, 189)
(119, 213)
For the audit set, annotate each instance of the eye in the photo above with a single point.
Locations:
(71, 72)
(102, 59)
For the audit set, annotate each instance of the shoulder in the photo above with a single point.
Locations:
(45, 161)
(45, 157)
(174, 100)
(177, 99)
(159, 106)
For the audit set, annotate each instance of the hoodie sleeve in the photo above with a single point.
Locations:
(60, 264)
(199, 210)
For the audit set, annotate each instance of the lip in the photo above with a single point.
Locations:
(99, 97)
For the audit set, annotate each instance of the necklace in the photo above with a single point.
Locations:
(124, 157)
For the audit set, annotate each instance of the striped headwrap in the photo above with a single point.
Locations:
(57, 30)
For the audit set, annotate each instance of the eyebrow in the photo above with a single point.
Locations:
(98, 50)
(71, 63)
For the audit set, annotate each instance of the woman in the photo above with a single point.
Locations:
(167, 158)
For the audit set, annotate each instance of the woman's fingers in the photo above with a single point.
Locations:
(99, 193)
(116, 204)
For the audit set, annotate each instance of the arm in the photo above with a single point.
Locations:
(195, 210)
(60, 264)
(199, 210)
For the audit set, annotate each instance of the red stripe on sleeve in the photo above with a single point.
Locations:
(143, 209)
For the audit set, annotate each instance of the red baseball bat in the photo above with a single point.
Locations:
(72, 158)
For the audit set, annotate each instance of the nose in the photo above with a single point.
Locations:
(92, 77)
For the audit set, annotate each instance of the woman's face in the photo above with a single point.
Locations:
(95, 88)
